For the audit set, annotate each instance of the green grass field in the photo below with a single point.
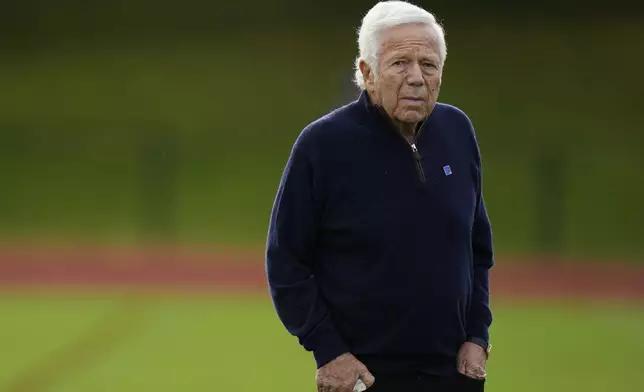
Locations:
(73, 343)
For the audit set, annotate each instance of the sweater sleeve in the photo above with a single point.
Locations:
(289, 261)
(480, 317)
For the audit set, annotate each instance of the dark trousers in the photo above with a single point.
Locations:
(425, 383)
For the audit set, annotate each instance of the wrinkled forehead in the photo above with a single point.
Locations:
(416, 38)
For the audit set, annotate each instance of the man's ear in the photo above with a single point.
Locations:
(367, 74)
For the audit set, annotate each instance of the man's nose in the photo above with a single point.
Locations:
(414, 75)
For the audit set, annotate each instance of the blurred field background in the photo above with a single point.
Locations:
(140, 125)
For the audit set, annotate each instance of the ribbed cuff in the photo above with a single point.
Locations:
(326, 343)
(479, 342)
(478, 333)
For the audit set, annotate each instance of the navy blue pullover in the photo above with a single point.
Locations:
(380, 250)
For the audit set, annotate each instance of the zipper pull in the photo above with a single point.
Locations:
(415, 150)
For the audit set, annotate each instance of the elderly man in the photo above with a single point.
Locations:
(379, 244)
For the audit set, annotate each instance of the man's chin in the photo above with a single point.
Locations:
(412, 117)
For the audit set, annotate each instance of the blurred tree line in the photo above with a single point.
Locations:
(39, 22)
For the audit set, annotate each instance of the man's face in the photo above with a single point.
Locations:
(409, 73)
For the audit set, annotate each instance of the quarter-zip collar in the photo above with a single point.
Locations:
(379, 116)
(381, 120)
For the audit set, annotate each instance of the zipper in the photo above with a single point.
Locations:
(416, 154)
(414, 149)
(419, 163)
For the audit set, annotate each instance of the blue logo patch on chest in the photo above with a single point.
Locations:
(447, 170)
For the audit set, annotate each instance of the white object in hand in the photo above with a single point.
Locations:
(360, 387)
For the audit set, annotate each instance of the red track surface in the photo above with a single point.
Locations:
(172, 270)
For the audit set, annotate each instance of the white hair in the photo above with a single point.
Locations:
(385, 15)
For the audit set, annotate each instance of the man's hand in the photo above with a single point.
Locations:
(472, 360)
(341, 374)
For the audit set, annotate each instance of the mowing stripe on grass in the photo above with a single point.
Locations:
(114, 328)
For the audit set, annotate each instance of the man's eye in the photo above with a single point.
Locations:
(429, 65)
(398, 63)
